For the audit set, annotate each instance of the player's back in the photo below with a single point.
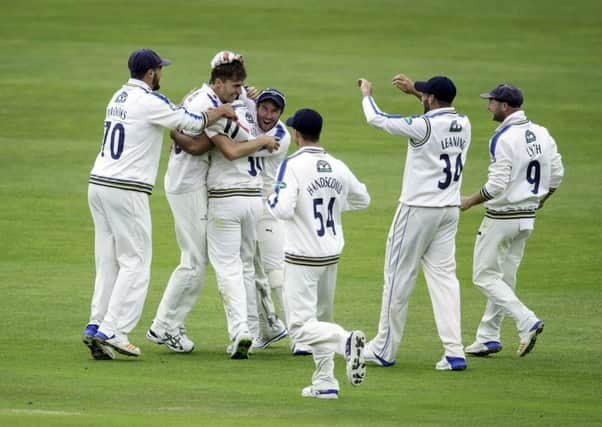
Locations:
(131, 146)
(314, 189)
(529, 154)
(434, 165)
(186, 172)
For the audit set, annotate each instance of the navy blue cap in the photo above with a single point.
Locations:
(306, 121)
(440, 86)
(505, 93)
(273, 95)
(142, 60)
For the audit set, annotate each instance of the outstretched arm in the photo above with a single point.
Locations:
(195, 145)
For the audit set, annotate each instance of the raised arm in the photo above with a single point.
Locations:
(195, 145)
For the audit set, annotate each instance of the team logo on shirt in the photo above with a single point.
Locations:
(281, 184)
(323, 166)
(408, 120)
(249, 117)
(530, 137)
(122, 97)
(455, 126)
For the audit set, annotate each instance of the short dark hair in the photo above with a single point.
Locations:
(234, 70)
(310, 137)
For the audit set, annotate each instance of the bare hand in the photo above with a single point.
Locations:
(404, 84)
(252, 93)
(465, 203)
(365, 87)
(227, 111)
(269, 142)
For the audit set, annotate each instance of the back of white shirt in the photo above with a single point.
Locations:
(438, 145)
(311, 191)
(131, 148)
(186, 172)
(525, 165)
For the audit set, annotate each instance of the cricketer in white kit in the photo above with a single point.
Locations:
(121, 180)
(311, 191)
(525, 169)
(186, 191)
(425, 223)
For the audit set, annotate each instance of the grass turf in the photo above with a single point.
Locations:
(61, 60)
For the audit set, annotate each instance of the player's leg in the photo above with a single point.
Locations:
(105, 258)
(129, 215)
(248, 246)
(439, 265)
(493, 246)
(187, 280)
(405, 244)
(223, 243)
(301, 300)
(106, 274)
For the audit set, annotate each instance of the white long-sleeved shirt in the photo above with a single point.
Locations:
(311, 191)
(131, 147)
(438, 145)
(525, 165)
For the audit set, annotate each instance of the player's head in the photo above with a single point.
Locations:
(228, 75)
(146, 65)
(504, 99)
(307, 126)
(437, 92)
(270, 106)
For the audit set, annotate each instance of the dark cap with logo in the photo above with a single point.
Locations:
(306, 121)
(505, 93)
(142, 60)
(440, 86)
(273, 95)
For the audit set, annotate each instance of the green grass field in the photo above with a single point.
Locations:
(62, 60)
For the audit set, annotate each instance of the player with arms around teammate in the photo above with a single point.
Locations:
(525, 170)
(311, 191)
(425, 223)
(186, 191)
(121, 180)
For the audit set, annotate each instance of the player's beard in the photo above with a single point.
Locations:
(156, 85)
(426, 106)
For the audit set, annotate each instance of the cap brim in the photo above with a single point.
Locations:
(486, 95)
(164, 62)
(420, 86)
(277, 100)
(290, 121)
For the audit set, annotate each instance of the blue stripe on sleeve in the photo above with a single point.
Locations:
(279, 178)
(280, 132)
(493, 142)
(213, 100)
(161, 97)
(380, 113)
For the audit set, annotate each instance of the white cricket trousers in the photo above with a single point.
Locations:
(231, 241)
(309, 297)
(498, 251)
(420, 235)
(187, 280)
(123, 252)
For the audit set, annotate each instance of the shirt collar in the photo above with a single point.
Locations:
(514, 118)
(139, 83)
(441, 110)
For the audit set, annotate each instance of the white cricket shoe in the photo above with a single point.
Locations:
(240, 346)
(354, 356)
(177, 342)
(481, 349)
(261, 343)
(120, 343)
(371, 357)
(301, 350)
(448, 363)
(310, 391)
(527, 342)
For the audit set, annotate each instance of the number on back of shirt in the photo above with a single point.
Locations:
(115, 134)
(534, 175)
(319, 215)
(255, 165)
(447, 170)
